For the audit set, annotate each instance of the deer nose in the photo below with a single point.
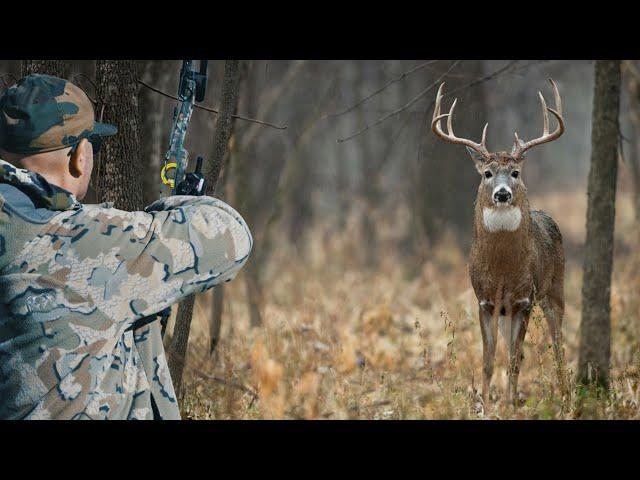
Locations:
(502, 195)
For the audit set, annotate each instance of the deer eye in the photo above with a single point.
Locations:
(488, 174)
(515, 174)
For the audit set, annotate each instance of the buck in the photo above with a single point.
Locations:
(516, 256)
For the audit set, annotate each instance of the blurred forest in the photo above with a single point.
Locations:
(356, 301)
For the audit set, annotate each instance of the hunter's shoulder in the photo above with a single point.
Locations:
(17, 205)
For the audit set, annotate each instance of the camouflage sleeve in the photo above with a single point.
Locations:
(138, 263)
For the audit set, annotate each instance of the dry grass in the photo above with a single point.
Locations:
(342, 342)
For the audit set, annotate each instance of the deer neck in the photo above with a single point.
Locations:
(502, 235)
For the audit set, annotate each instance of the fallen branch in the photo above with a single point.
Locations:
(213, 110)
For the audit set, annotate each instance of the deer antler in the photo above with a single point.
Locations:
(520, 147)
(450, 137)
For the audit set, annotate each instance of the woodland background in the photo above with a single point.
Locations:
(356, 301)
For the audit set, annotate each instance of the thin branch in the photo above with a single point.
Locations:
(384, 87)
(86, 77)
(4, 75)
(213, 110)
(404, 107)
(478, 81)
(268, 99)
(232, 384)
(469, 85)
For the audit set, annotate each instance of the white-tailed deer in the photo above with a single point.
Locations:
(516, 256)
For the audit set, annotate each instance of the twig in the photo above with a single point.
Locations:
(86, 77)
(213, 110)
(268, 99)
(477, 81)
(235, 385)
(3, 75)
(404, 107)
(383, 87)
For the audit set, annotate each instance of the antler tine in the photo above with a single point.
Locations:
(520, 147)
(450, 136)
(450, 119)
(556, 97)
(436, 110)
(545, 116)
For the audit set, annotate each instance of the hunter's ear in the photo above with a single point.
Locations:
(478, 159)
(79, 161)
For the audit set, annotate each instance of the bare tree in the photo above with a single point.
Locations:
(58, 68)
(118, 170)
(595, 326)
(229, 96)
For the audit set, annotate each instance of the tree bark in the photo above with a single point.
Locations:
(218, 293)
(229, 98)
(595, 327)
(118, 169)
(57, 68)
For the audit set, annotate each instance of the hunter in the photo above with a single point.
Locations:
(76, 279)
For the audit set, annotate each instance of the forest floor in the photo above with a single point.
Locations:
(401, 340)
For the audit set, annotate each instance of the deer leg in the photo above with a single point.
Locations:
(553, 309)
(519, 323)
(489, 329)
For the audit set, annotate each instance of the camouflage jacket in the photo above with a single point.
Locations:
(74, 278)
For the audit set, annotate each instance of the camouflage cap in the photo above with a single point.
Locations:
(42, 113)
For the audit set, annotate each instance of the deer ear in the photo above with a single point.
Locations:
(477, 159)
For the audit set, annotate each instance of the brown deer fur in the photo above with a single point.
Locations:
(514, 269)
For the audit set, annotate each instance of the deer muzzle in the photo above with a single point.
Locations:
(502, 195)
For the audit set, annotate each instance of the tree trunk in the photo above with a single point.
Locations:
(216, 318)
(595, 327)
(118, 170)
(154, 110)
(229, 98)
(57, 68)
(217, 308)
(218, 293)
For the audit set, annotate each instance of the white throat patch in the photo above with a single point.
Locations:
(501, 218)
